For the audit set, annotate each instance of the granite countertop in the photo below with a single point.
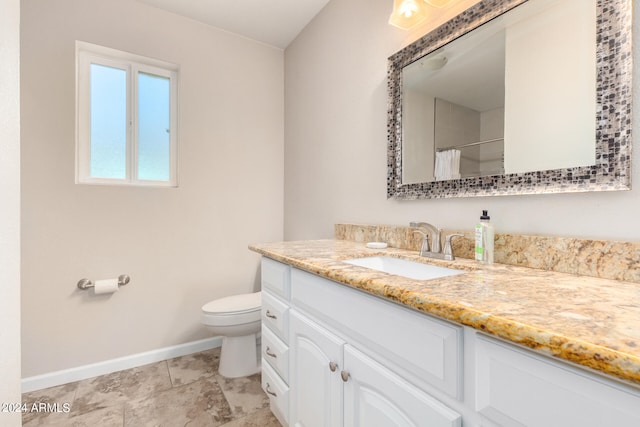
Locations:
(589, 321)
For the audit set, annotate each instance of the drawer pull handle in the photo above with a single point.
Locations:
(268, 390)
(270, 353)
(270, 316)
(345, 376)
(333, 366)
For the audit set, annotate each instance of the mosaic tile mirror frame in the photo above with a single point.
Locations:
(612, 170)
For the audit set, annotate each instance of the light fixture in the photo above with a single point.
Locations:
(437, 3)
(409, 13)
(434, 63)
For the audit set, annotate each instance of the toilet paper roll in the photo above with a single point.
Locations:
(107, 286)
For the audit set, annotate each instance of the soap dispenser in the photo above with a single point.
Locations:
(484, 239)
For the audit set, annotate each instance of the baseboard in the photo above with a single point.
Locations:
(53, 379)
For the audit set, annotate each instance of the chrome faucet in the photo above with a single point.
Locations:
(434, 251)
(435, 234)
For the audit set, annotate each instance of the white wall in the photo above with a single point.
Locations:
(492, 154)
(545, 55)
(10, 209)
(455, 124)
(182, 247)
(418, 156)
(336, 143)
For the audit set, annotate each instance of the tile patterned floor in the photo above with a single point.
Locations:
(185, 391)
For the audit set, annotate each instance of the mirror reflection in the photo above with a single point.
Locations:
(517, 94)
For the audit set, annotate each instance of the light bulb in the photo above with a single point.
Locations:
(407, 13)
(408, 8)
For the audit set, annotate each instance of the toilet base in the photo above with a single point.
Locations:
(238, 357)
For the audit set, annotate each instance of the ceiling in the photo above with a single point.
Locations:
(274, 22)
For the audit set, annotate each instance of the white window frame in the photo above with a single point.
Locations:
(87, 54)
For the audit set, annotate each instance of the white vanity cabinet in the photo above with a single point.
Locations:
(355, 359)
(275, 336)
(334, 356)
(517, 388)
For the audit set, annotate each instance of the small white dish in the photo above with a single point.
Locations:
(376, 245)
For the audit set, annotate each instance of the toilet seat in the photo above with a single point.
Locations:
(233, 310)
(234, 304)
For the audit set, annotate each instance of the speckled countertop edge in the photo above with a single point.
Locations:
(588, 321)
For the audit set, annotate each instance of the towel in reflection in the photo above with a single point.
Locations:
(447, 165)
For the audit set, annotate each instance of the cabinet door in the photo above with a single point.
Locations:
(376, 397)
(315, 365)
(516, 388)
(432, 360)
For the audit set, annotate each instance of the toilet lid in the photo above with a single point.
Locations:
(235, 304)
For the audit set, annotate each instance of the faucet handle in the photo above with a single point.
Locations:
(448, 249)
(425, 242)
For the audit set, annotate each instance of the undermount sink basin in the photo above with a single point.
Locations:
(403, 267)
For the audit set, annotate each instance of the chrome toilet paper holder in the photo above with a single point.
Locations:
(85, 284)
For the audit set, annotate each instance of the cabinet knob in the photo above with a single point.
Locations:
(345, 376)
(269, 315)
(333, 366)
(270, 353)
(268, 390)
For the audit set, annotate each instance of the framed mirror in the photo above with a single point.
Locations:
(514, 97)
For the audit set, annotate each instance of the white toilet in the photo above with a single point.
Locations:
(237, 320)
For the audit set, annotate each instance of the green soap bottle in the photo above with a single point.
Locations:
(484, 239)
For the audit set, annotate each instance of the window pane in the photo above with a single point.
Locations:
(108, 122)
(153, 127)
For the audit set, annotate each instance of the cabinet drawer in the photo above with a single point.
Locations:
(413, 344)
(276, 353)
(277, 391)
(276, 277)
(275, 315)
(519, 388)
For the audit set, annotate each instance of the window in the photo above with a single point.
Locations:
(126, 118)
